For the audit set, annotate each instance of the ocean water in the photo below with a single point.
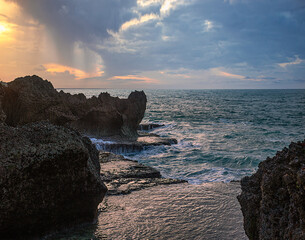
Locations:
(208, 211)
(222, 134)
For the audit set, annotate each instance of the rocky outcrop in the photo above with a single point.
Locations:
(123, 176)
(49, 179)
(2, 114)
(273, 199)
(31, 99)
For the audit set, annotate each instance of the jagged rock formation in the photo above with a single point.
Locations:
(49, 180)
(123, 176)
(273, 199)
(31, 99)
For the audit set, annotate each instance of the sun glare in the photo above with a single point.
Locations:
(3, 28)
(5, 32)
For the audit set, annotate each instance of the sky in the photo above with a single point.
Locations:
(143, 44)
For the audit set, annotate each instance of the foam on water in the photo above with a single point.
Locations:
(100, 142)
(222, 134)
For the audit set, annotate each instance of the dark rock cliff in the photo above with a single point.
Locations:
(273, 199)
(31, 99)
(49, 180)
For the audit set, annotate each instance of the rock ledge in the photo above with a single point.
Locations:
(123, 176)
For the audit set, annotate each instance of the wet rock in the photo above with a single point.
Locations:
(273, 199)
(119, 146)
(149, 126)
(123, 176)
(123, 146)
(49, 180)
(31, 99)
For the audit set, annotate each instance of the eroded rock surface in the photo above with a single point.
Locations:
(2, 114)
(123, 176)
(49, 180)
(273, 199)
(31, 99)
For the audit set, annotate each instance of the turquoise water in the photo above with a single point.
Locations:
(222, 134)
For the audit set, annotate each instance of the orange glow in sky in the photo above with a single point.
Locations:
(6, 32)
(136, 78)
(79, 74)
(152, 44)
(2, 28)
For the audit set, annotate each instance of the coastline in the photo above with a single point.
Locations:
(59, 182)
(140, 203)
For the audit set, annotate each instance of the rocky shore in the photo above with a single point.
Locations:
(31, 99)
(273, 199)
(123, 176)
(51, 176)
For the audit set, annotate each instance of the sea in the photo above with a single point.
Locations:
(222, 134)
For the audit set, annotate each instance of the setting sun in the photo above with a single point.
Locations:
(2, 28)
(5, 32)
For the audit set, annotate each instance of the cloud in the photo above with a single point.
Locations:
(171, 5)
(246, 41)
(148, 3)
(294, 62)
(79, 74)
(137, 21)
(68, 23)
(135, 78)
(229, 75)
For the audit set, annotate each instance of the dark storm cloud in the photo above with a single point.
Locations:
(77, 21)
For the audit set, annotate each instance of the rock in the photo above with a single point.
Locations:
(273, 199)
(2, 114)
(149, 126)
(123, 146)
(123, 176)
(31, 99)
(49, 180)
